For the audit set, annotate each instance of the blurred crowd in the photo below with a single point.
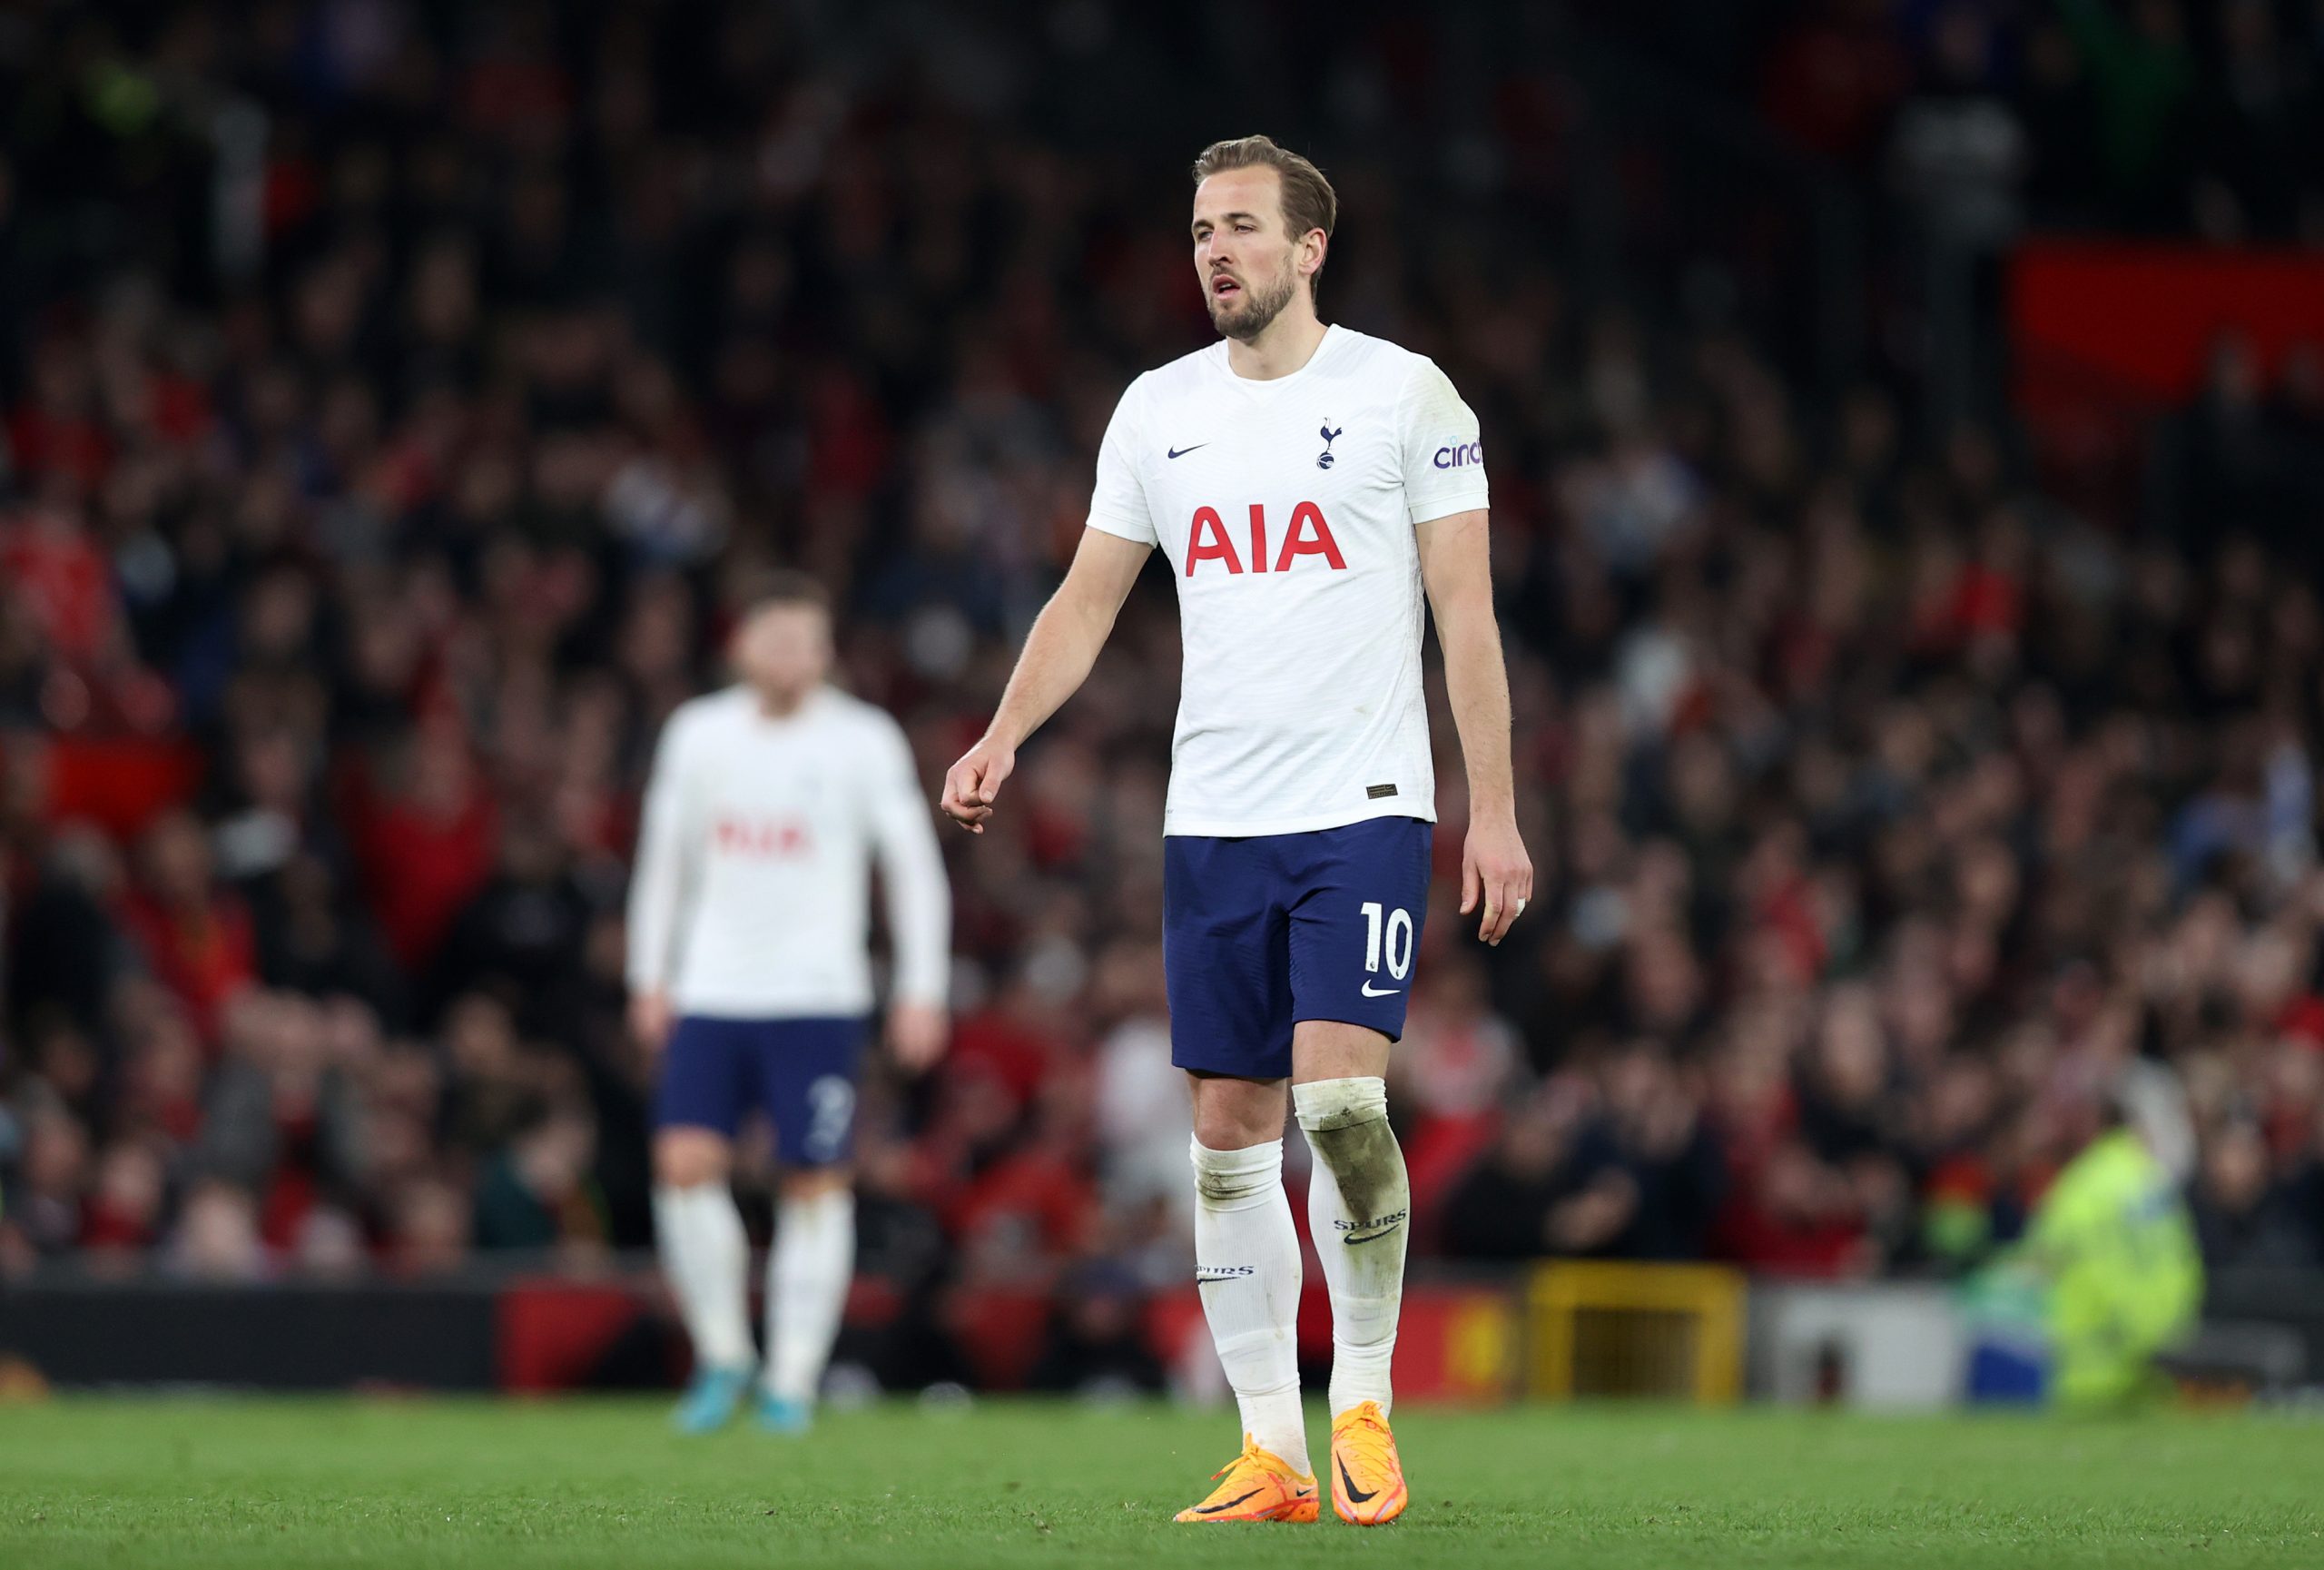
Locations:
(2164, 117)
(376, 481)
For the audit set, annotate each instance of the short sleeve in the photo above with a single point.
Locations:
(1118, 505)
(1445, 454)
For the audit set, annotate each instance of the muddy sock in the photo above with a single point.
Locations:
(1359, 1204)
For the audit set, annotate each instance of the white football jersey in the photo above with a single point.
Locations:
(1287, 508)
(751, 898)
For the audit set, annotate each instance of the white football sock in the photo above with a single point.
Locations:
(1246, 1258)
(706, 1257)
(808, 1272)
(1359, 1205)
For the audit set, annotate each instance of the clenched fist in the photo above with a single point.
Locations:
(971, 783)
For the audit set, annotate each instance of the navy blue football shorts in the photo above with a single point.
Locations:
(802, 1073)
(1263, 930)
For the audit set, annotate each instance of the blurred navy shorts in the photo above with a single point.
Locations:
(1261, 932)
(801, 1071)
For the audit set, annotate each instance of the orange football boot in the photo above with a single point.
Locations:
(1367, 1475)
(1259, 1485)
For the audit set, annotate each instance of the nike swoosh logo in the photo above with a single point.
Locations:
(1182, 451)
(1355, 1495)
(1215, 1509)
(1372, 991)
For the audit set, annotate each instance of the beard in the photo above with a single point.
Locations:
(1257, 311)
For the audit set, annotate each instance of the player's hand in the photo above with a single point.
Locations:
(971, 783)
(916, 1034)
(1495, 869)
(649, 1019)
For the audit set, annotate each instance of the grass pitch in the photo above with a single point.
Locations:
(252, 1483)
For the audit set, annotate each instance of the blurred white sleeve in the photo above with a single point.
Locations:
(662, 879)
(911, 871)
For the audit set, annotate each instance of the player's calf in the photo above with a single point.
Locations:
(808, 1273)
(1359, 1204)
(689, 1158)
(705, 1257)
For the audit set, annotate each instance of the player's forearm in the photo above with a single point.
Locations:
(1476, 680)
(923, 969)
(654, 897)
(920, 906)
(1057, 656)
(652, 923)
(657, 893)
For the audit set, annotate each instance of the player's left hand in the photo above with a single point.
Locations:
(916, 1034)
(1495, 869)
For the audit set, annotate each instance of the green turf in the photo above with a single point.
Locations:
(602, 1483)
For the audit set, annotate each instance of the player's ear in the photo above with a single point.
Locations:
(1311, 246)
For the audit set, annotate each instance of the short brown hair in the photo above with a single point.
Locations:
(785, 590)
(1308, 200)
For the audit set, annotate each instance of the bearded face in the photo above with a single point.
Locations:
(1244, 254)
(1245, 308)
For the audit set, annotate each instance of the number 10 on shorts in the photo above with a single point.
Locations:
(1400, 939)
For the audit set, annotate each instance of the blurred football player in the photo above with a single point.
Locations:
(748, 975)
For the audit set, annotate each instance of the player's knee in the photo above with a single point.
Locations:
(1222, 1130)
(1234, 1115)
(689, 1158)
(1325, 1050)
(802, 1184)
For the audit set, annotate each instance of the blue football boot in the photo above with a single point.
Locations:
(711, 1400)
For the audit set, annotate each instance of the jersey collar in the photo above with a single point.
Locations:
(1274, 386)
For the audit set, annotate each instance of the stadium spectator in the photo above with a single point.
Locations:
(196, 936)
